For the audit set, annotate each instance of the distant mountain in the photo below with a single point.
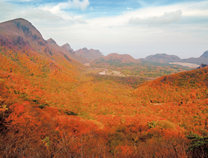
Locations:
(55, 47)
(115, 58)
(67, 50)
(202, 59)
(51, 41)
(205, 54)
(67, 47)
(89, 54)
(162, 58)
(123, 58)
(70, 52)
(199, 60)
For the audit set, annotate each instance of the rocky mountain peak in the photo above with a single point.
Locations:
(67, 47)
(89, 54)
(51, 41)
(205, 54)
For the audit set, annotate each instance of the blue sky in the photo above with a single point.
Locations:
(136, 27)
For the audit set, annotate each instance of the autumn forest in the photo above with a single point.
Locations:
(53, 105)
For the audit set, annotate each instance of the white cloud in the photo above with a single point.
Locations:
(37, 13)
(141, 2)
(166, 18)
(58, 9)
(43, 15)
(154, 15)
(76, 4)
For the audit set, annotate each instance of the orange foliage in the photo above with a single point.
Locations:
(49, 108)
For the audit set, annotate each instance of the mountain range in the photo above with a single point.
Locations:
(157, 58)
(22, 35)
(116, 58)
(19, 34)
(164, 58)
(89, 54)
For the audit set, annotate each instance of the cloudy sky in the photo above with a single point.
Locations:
(136, 27)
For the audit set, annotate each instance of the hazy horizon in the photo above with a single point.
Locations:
(136, 27)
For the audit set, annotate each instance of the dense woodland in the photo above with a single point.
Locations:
(50, 107)
(79, 115)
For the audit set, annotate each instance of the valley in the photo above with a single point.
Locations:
(54, 105)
